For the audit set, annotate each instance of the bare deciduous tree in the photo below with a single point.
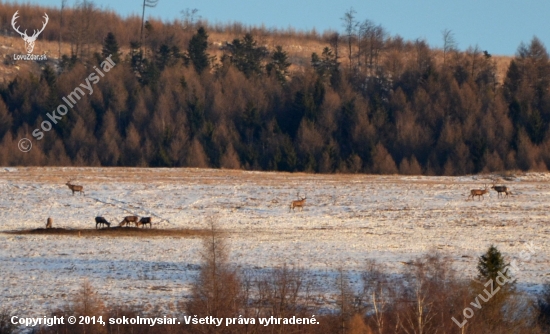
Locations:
(345, 300)
(350, 27)
(370, 43)
(150, 4)
(217, 291)
(63, 4)
(82, 27)
(449, 43)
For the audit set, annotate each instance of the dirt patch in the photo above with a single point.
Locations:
(115, 232)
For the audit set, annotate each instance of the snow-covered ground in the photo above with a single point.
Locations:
(347, 219)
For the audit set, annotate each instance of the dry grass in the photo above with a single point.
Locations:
(115, 232)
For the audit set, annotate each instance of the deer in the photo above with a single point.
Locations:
(144, 221)
(501, 189)
(29, 40)
(101, 221)
(478, 192)
(49, 223)
(299, 203)
(74, 187)
(129, 219)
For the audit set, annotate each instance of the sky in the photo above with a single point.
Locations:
(496, 26)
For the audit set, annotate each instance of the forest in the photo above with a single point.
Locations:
(363, 101)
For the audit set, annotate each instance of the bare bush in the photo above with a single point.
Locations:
(217, 290)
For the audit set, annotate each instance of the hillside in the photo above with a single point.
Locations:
(299, 48)
(201, 95)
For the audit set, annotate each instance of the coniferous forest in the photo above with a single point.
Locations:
(364, 101)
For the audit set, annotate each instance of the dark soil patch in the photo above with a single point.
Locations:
(115, 232)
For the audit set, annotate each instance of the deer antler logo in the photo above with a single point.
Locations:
(29, 40)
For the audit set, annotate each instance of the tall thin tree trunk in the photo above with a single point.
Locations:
(63, 2)
(141, 31)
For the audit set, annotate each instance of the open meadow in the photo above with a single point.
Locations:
(346, 220)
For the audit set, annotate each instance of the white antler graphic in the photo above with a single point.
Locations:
(29, 40)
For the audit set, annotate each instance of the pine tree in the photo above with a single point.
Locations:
(490, 264)
(163, 57)
(494, 290)
(247, 56)
(49, 76)
(327, 65)
(6, 120)
(110, 47)
(279, 64)
(136, 56)
(197, 50)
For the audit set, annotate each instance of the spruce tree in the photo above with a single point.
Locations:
(136, 56)
(49, 76)
(163, 57)
(197, 50)
(493, 292)
(279, 64)
(110, 47)
(326, 66)
(247, 55)
(490, 264)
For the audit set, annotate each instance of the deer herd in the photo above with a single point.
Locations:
(480, 192)
(300, 203)
(102, 222)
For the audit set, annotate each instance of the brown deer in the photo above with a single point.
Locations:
(101, 221)
(49, 223)
(144, 221)
(501, 189)
(478, 192)
(129, 219)
(299, 203)
(74, 187)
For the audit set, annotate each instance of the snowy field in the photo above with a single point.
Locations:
(347, 219)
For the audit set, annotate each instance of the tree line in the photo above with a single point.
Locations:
(427, 296)
(365, 102)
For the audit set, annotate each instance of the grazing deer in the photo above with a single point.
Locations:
(49, 223)
(298, 204)
(501, 189)
(144, 221)
(129, 219)
(74, 187)
(478, 192)
(101, 221)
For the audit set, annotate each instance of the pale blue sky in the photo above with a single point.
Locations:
(496, 26)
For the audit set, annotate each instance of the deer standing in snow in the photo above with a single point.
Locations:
(501, 189)
(478, 192)
(74, 187)
(299, 203)
(101, 221)
(144, 221)
(129, 219)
